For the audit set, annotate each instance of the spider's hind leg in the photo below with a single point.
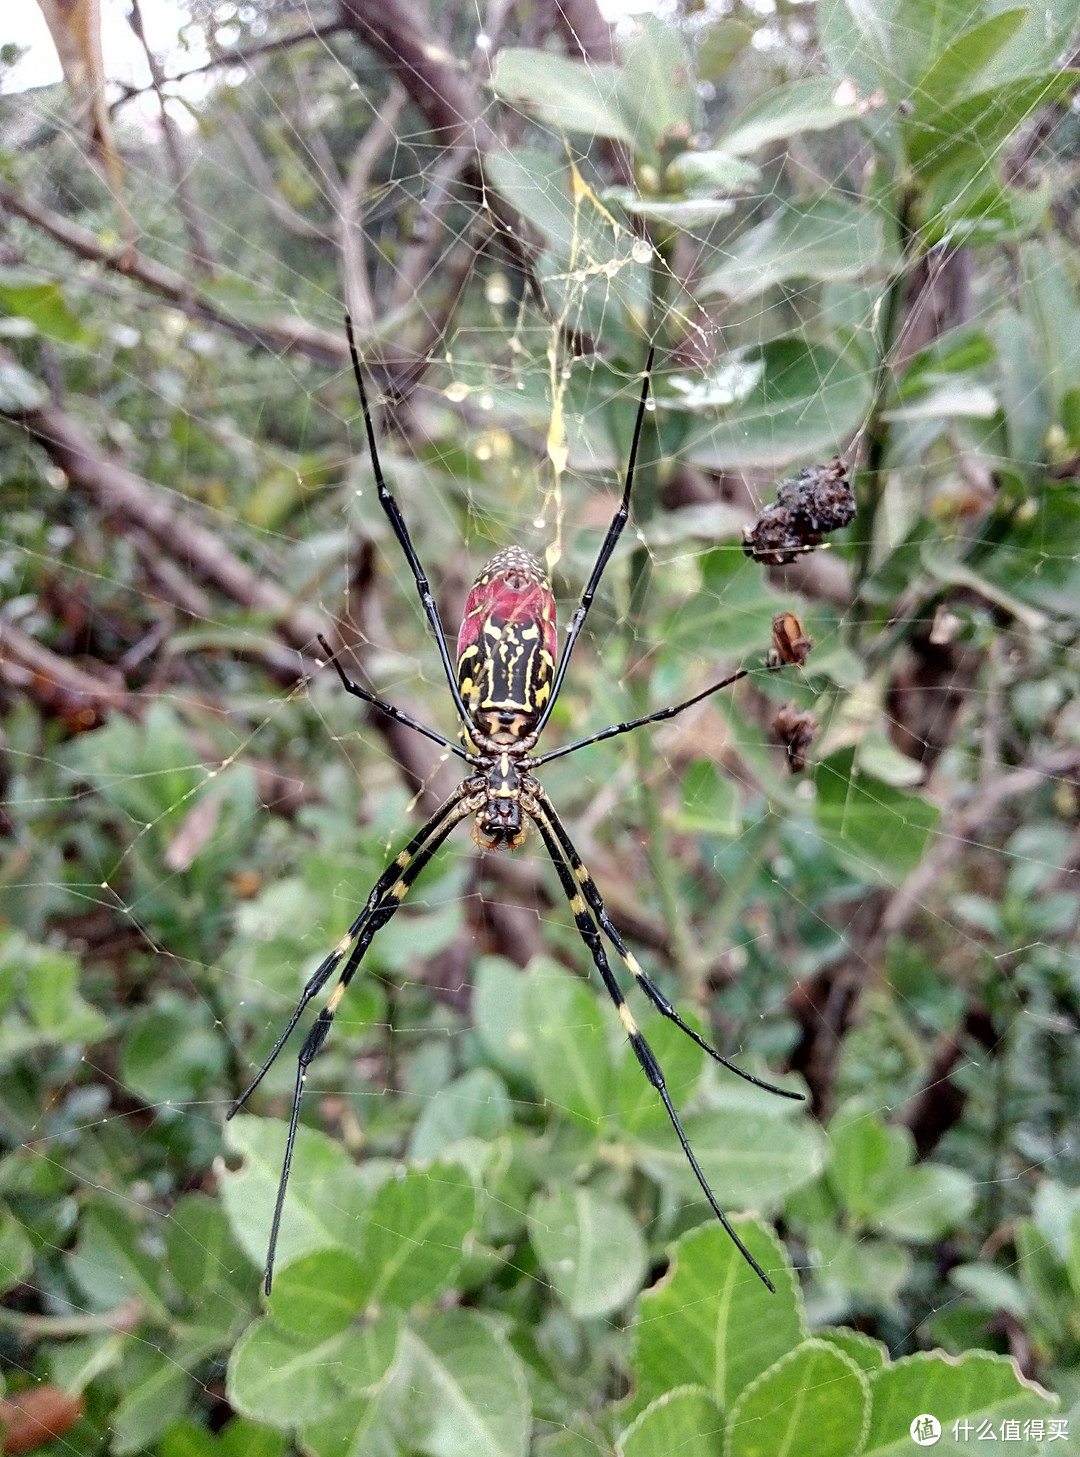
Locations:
(589, 890)
(545, 819)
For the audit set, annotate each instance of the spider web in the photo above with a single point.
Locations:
(234, 806)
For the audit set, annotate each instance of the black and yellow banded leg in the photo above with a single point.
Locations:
(325, 970)
(592, 894)
(389, 892)
(545, 820)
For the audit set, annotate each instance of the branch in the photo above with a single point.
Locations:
(119, 493)
(281, 335)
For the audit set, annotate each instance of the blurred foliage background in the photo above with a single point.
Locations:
(847, 229)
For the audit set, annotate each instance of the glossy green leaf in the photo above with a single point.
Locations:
(814, 1402)
(881, 831)
(814, 105)
(805, 400)
(467, 1394)
(474, 1105)
(710, 1322)
(591, 1249)
(416, 1230)
(820, 239)
(685, 1421)
(568, 1050)
(564, 94)
(974, 1387)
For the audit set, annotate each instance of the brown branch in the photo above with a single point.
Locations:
(197, 244)
(121, 494)
(282, 335)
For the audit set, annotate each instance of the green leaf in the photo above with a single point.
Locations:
(813, 1401)
(278, 1377)
(1038, 560)
(172, 1052)
(802, 106)
(980, 124)
(972, 1387)
(710, 1322)
(466, 1391)
(474, 1105)
(16, 1252)
(803, 400)
(591, 1249)
(868, 1354)
(657, 92)
(319, 1295)
(566, 95)
(751, 1148)
(685, 1421)
(959, 69)
(880, 831)
(43, 304)
(708, 173)
(710, 804)
(417, 1226)
(326, 1195)
(158, 1399)
(928, 1202)
(201, 1250)
(867, 1159)
(821, 239)
(110, 1264)
(568, 1050)
(500, 1016)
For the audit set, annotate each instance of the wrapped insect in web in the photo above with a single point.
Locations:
(507, 680)
(817, 501)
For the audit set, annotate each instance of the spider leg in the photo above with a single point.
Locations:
(401, 531)
(618, 521)
(624, 728)
(397, 714)
(544, 817)
(592, 894)
(386, 896)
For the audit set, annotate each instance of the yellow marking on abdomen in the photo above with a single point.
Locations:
(398, 889)
(632, 965)
(582, 874)
(577, 905)
(344, 944)
(335, 997)
(627, 1021)
(403, 860)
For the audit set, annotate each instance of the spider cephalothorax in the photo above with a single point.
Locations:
(503, 692)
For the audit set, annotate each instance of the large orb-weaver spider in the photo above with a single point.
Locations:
(505, 687)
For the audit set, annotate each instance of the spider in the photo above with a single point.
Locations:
(504, 690)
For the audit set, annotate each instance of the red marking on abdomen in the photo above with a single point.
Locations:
(513, 587)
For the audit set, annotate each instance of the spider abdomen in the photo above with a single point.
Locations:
(506, 647)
